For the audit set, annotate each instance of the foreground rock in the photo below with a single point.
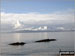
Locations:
(46, 40)
(17, 43)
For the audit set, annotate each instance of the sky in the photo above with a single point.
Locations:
(36, 12)
(42, 6)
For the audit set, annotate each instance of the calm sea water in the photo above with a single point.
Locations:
(64, 41)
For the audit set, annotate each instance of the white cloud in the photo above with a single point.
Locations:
(60, 28)
(37, 18)
(18, 25)
(9, 17)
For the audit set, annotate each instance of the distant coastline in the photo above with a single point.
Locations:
(31, 31)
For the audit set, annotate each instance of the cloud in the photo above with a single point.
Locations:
(60, 28)
(37, 18)
(18, 24)
(31, 17)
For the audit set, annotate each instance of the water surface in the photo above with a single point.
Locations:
(65, 41)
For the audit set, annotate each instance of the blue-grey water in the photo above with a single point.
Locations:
(64, 41)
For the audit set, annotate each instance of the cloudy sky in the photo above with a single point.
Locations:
(28, 13)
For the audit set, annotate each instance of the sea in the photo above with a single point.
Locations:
(64, 41)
